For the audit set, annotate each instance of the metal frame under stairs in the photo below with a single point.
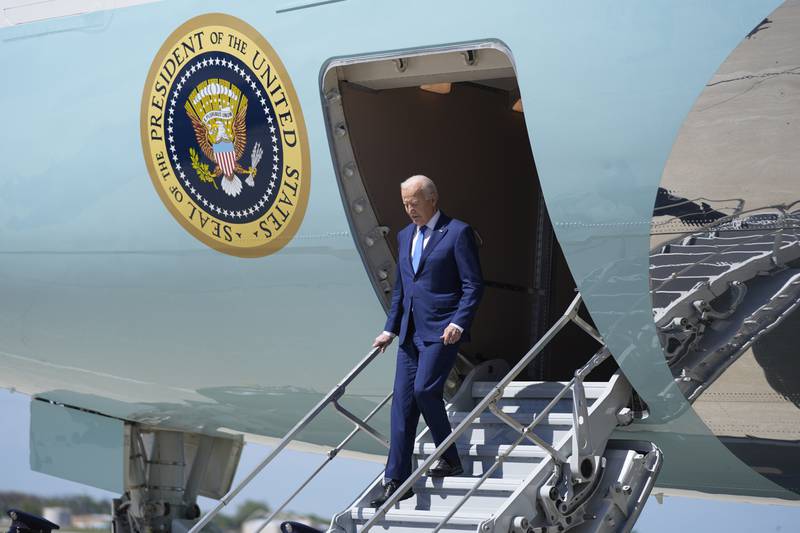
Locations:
(536, 454)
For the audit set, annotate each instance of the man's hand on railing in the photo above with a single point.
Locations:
(383, 340)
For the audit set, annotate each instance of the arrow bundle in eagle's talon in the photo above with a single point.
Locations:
(255, 159)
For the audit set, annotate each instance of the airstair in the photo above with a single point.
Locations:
(717, 290)
(518, 475)
(537, 456)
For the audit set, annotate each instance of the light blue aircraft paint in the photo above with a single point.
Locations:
(108, 304)
(67, 437)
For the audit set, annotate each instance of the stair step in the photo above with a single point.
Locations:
(720, 247)
(536, 389)
(536, 405)
(717, 256)
(683, 283)
(487, 418)
(502, 434)
(478, 458)
(443, 494)
(465, 483)
(523, 451)
(489, 429)
(403, 520)
(752, 233)
(749, 239)
(692, 270)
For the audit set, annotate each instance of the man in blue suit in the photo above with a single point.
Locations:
(435, 297)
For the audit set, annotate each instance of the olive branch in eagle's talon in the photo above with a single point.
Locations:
(203, 172)
(255, 159)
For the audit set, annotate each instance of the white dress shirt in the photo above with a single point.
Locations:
(431, 225)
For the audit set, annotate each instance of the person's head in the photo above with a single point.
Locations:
(420, 198)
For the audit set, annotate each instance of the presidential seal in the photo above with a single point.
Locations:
(224, 137)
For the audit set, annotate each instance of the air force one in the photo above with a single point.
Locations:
(199, 210)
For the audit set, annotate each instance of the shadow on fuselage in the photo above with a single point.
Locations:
(266, 411)
(777, 353)
(774, 459)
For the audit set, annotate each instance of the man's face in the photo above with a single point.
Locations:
(418, 208)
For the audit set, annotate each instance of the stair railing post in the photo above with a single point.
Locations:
(778, 242)
(332, 453)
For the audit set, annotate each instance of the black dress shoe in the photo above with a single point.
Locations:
(297, 527)
(389, 489)
(443, 468)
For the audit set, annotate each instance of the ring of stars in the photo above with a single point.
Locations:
(249, 80)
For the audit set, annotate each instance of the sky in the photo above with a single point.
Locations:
(345, 478)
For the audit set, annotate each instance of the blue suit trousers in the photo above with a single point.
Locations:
(422, 369)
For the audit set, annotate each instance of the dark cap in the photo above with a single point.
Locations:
(297, 527)
(27, 523)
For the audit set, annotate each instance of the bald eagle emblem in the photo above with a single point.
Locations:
(217, 110)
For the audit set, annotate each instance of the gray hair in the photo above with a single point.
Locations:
(424, 182)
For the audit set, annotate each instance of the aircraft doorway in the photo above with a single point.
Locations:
(456, 117)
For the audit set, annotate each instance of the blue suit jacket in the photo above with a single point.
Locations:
(447, 286)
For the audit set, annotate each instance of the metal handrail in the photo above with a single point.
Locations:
(496, 393)
(332, 397)
(331, 455)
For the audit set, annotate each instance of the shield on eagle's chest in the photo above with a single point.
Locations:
(225, 158)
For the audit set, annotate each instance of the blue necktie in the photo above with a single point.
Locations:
(417, 255)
